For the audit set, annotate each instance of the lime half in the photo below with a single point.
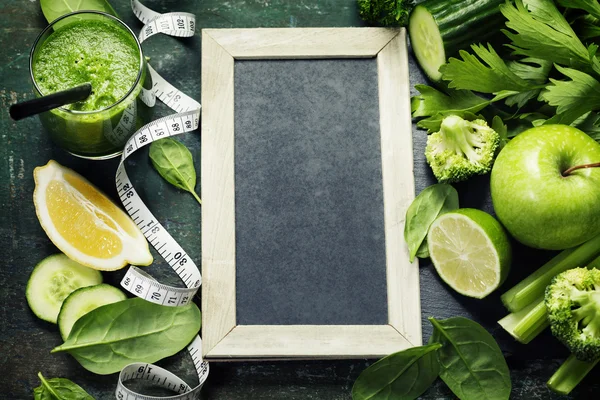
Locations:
(470, 251)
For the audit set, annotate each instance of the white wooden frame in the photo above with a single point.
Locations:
(222, 338)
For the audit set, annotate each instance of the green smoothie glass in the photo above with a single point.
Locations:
(94, 47)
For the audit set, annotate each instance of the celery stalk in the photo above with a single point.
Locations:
(526, 324)
(569, 374)
(534, 286)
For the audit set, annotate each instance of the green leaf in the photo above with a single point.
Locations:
(533, 70)
(423, 251)
(540, 31)
(591, 6)
(53, 9)
(587, 27)
(501, 129)
(435, 105)
(385, 12)
(174, 162)
(433, 123)
(471, 363)
(59, 389)
(472, 74)
(573, 98)
(590, 124)
(400, 376)
(109, 337)
(425, 208)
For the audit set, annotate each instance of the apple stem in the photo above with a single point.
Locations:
(576, 167)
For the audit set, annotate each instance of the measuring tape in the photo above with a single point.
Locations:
(135, 280)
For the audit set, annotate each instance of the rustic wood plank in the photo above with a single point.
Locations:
(404, 302)
(218, 194)
(309, 341)
(281, 43)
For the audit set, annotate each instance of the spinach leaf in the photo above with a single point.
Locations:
(175, 164)
(423, 251)
(471, 363)
(425, 208)
(53, 9)
(59, 389)
(108, 338)
(400, 376)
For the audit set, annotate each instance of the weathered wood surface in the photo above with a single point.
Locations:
(25, 341)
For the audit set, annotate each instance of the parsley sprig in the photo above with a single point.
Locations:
(551, 76)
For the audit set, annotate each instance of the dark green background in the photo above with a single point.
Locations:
(25, 341)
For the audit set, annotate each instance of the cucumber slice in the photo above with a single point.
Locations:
(438, 29)
(52, 280)
(84, 300)
(426, 42)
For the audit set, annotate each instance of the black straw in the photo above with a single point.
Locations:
(32, 107)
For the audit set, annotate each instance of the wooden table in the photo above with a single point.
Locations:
(25, 341)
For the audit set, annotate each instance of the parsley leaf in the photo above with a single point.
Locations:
(518, 82)
(434, 105)
(470, 73)
(590, 124)
(574, 97)
(591, 6)
(587, 27)
(501, 129)
(534, 70)
(541, 31)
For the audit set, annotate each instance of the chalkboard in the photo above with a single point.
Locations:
(306, 177)
(310, 243)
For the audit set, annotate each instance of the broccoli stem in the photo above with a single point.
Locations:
(533, 287)
(569, 374)
(527, 323)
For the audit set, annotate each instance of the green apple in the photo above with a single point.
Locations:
(539, 202)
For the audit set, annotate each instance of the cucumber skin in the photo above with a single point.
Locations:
(464, 22)
(65, 324)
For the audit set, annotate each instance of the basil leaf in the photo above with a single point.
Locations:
(109, 337)
(174, 162)
(471, 363)
(59, 389)
(53, 9)
(401, 376)
(425, 208)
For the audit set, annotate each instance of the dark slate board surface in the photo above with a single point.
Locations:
(310, 245)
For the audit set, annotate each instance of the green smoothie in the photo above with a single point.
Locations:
(99, 49)
(88, 51)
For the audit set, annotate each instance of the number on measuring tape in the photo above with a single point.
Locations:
(135, 280)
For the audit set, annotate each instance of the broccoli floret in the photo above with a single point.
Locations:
(461, 149)
(385, 12)
(573, 305)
